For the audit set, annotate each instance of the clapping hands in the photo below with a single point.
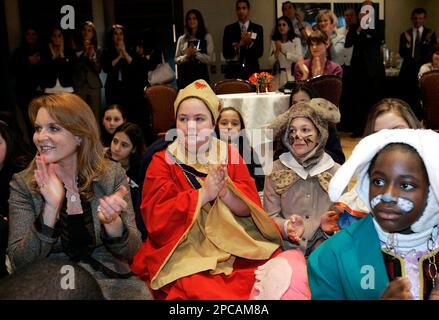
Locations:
(50, 185)
(215, 184)
(111, 206)
(191, 51)
(303, 68)
(295, 228)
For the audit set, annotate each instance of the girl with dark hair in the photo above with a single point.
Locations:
(127, 148)
(114, 116)
(286, 49)
(87, 68)
(194, 51)
(231, 129)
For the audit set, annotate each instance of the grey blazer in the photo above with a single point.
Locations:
(86, 71)
(26, 244)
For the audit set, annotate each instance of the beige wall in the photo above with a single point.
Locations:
(218, 14)
(432, 8)
(397, 18)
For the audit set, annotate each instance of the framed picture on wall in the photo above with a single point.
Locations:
(311, 8)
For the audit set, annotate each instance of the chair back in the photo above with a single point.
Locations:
(328, 86)
(232, 86)
(160, 101)
(429, 83)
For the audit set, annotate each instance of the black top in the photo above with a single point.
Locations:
(77, 231)
(6, 174)
(61, 68)
(248, 56)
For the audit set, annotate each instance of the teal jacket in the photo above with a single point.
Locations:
(349, 265)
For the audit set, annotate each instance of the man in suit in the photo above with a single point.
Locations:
(347, 98)
(415, 47)
(243, 44)
(367, 68)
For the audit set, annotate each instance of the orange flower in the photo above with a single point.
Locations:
(260, 78)
(253, 78)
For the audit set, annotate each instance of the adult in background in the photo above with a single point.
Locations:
(433, 64)
(57, 63)
(147, 56)
(415, 47)
(327, 22)
(26, 66)
(319, 62)
(347, 98)
(285, 51)
(301, 28)
(87, 68)
(194, 52)
(367, 69)
(243, 44)
(117, 63)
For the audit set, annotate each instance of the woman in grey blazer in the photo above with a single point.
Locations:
(87, 68)
(71, 202)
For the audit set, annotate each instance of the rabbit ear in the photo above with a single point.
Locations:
(279, 124)
(326, 109)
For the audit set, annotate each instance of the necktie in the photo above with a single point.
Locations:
(417, 53)
(241, 53)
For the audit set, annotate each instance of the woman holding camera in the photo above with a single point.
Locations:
(194, 50)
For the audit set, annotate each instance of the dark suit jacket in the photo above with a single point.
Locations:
(428, 39)
(61, 68)
(366, 56)
(410, 67)
(247, 55)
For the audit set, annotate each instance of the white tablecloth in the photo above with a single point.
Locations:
(257, 109)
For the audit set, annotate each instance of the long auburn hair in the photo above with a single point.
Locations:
(74, 115)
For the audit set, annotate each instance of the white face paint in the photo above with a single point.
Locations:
(403, 204)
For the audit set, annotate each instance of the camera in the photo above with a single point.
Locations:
(195, 43)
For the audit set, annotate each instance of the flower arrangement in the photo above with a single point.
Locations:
(261, 80)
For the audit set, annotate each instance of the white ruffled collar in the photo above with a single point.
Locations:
(324, 164)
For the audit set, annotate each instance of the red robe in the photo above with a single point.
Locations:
(168, 206)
